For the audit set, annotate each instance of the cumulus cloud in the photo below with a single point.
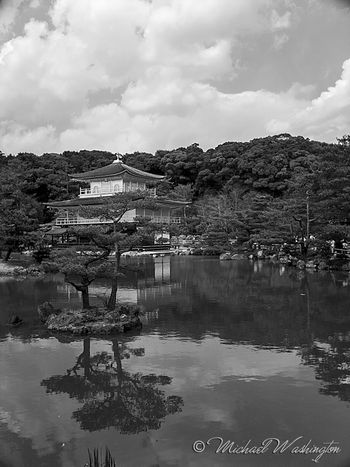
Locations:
(280, 21)
(161, 63)
(345, 3)
(35, 4)
(326, 116)
(8, 12)
(18, 138)
(280, 40)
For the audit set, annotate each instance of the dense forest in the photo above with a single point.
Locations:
(269, 190)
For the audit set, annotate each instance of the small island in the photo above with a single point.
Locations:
(94, 321)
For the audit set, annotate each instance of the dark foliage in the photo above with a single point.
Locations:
(246, 190)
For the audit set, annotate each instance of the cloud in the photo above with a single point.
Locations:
(326, 116)
(17, 138)
(280, 40)
(279, 22)
(184, 112)
(345, 3)
(8, 12)
(161, 64)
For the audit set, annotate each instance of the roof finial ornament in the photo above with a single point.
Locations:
(118, 158)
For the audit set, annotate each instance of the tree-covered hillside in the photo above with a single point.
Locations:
(267, 189)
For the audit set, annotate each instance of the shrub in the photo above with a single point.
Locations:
(212, 251)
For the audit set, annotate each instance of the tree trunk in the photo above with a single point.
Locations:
(8, 254)
(85, 297)
(117, 359)
(83, 288)
(86, 357)
(304, 248)
(112, 301)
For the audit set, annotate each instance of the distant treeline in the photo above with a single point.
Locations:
(256, 190)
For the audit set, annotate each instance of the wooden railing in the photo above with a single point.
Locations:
(80, 221)
(166, 220)
(342, 251)
(88, 193)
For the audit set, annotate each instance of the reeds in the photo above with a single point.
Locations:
(98, 458)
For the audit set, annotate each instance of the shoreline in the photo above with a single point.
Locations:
(20, 270)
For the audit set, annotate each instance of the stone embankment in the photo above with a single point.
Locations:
(94, 321)
(317, 264)
(228, 256)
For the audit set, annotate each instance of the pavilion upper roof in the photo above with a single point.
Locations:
(116, 168)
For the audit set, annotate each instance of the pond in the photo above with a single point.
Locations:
(235, 350)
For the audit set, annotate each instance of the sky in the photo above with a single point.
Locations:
(143, 75)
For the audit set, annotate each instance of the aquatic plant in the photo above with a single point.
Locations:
(98, 458)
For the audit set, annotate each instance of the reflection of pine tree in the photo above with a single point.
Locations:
(332, 366)
(111, 396)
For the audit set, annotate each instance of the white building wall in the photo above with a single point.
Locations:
(117, 186)
(162, 212)
(133, 186)
(95, 187)
(112, 186)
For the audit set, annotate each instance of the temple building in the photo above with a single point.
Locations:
(110, 180)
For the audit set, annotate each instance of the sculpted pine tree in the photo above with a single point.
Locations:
(82, 266)
(112, 396)
(119, 237)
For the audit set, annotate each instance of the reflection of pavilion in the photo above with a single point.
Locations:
(162, 268)
(157, 284)
(151, 286)
(124, 294)
(161, 289)
(97, 293)
(155, 272)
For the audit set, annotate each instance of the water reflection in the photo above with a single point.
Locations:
(331, 362)
(251, 350)
(112, 396)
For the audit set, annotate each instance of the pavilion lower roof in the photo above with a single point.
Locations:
(100, 200)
